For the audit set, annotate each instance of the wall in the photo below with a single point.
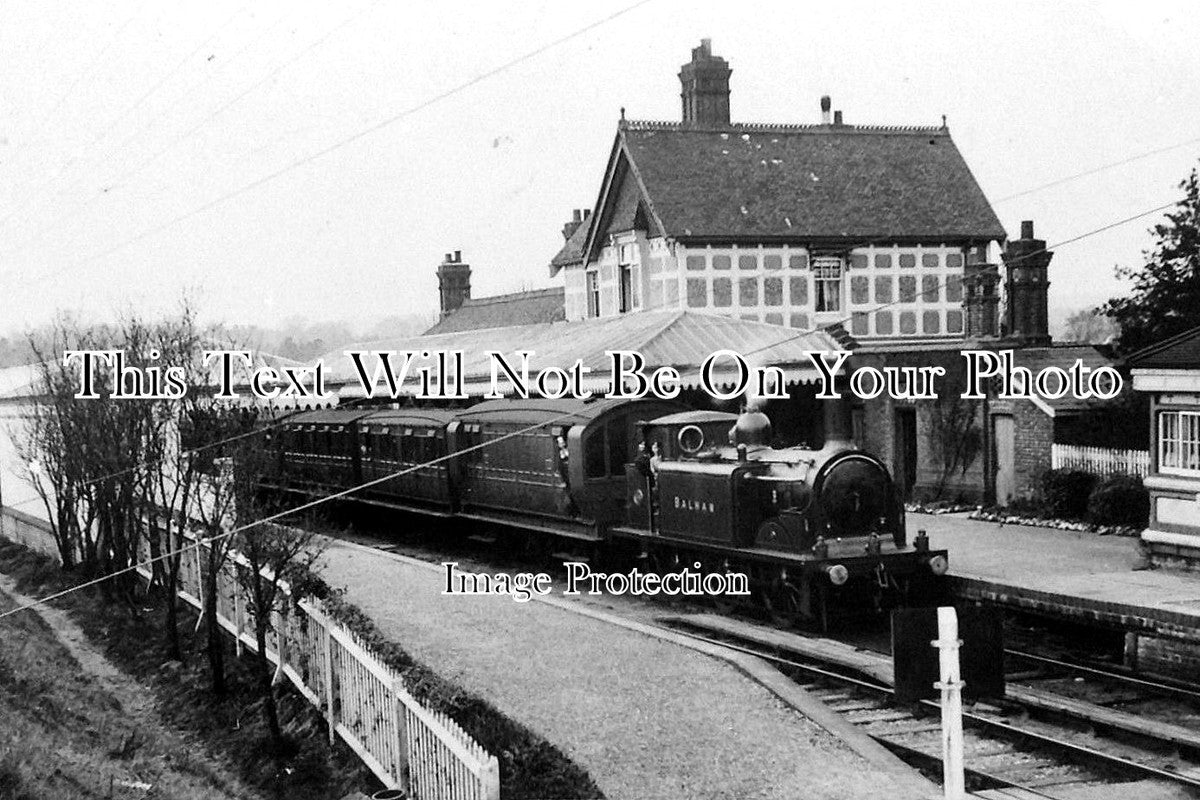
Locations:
(877, 420)
(27, 530)
(776, 285)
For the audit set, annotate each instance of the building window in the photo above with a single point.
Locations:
(722, 292)
(626, 299)
(593, 294)
(1179, 441)
(827, 272)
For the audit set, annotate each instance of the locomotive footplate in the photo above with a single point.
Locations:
(849, 555)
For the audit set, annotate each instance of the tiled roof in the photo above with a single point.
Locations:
(1036, 359)
(665, 338)
(1181, 351)
(764, 182)
(504, 310)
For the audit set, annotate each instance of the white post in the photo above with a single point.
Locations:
(951, 686)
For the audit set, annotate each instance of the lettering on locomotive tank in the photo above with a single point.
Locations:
(699, 506)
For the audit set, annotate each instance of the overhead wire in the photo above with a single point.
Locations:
(136, 169)
(336, 146)
(124, 115)
(146, 125)
(285, 513)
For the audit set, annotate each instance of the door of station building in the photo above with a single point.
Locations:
(905, 450)
(1004, 446)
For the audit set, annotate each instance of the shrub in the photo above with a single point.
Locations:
(1066, 492)
(1120, 500)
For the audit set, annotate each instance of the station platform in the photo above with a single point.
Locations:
(1080, 576)
(647, 717)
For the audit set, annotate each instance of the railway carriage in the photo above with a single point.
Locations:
(416, 444)
(320, 448)
(566, 477)
(635, 480)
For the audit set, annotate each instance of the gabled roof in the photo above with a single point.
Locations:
(840, 184)
(680, 339)
(504, 310)
(1181, 351)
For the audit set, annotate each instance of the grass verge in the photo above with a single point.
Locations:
(230, 728)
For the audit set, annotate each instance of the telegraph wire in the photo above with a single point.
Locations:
(1031, 254)
(529, 429)
(1101, 168)
(790, 338)
(83, 73)
(287, 513)
(119, 118)
(224, 65)
(325, 151)
(116, 182)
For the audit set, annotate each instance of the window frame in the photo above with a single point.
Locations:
(1184, 422)
(591, 290)
(828, 275)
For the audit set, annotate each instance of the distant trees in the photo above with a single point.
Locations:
(1165, 296)
(1090, 326)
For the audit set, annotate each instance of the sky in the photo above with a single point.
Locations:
(309, 160)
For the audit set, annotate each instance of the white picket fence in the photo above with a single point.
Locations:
(406, 745)
(1100, 460)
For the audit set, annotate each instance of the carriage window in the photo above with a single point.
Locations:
(617, 447)
(593, 455)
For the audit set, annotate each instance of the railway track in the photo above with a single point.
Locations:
(1046, 741)
(1012, 749)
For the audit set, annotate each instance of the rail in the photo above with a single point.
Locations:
(406, 745)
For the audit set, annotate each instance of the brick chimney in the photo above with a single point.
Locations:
(1026, 261)
(454, 282)
(578, 217)
(705, 94)
(981, 300)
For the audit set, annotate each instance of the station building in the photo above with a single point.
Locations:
(1169, 373)
(879, 235)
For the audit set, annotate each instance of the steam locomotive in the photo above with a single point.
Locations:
(646, 481)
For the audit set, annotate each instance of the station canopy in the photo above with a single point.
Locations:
(679, 339)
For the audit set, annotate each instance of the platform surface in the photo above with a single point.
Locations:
(1103, 576)
(646, 718)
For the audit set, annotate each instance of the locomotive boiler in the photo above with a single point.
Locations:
(814, 528)
(644, 481)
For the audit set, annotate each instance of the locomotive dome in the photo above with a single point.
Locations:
(753, 428)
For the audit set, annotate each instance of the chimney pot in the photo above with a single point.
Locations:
(1027, 229)
(577, 215)
(826, 104)
(457, 256)
(837, 118)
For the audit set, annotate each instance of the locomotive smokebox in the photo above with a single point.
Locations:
(753, 429)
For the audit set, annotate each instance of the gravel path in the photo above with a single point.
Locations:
(647, 719)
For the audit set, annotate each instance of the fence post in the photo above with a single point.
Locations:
(329, 677)
(490, 778)
(237, 613)
(400, 719)
(280, 641)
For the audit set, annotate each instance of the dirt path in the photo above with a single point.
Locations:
(71, 720)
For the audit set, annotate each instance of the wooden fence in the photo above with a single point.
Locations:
(1100, 460)
(406, 745)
